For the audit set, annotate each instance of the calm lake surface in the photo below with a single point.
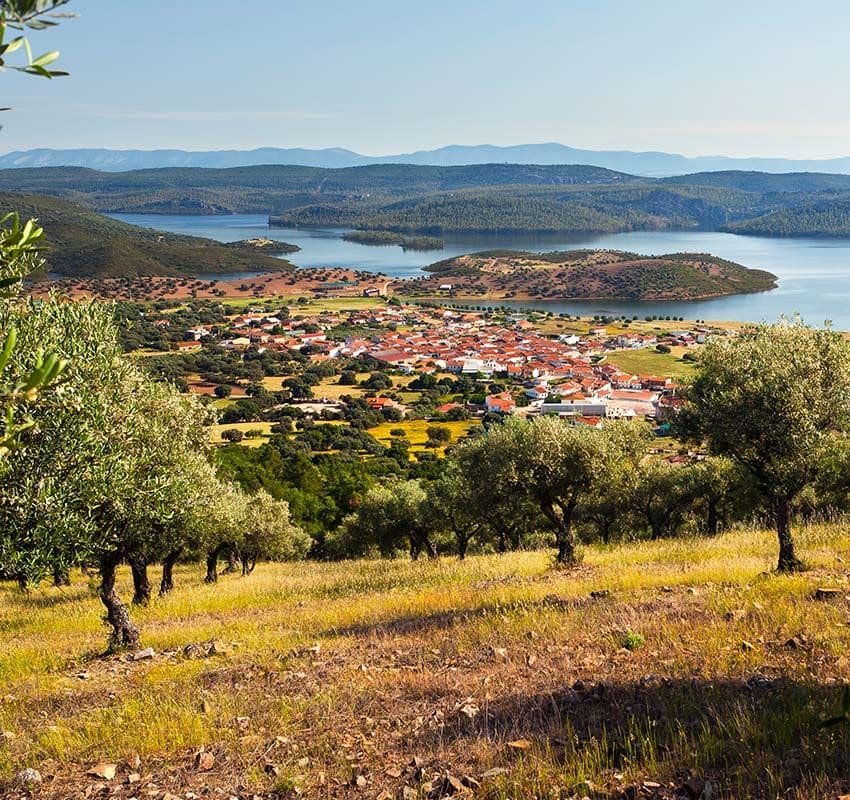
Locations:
(814, 274)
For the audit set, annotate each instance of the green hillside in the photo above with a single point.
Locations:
(487, 198)
(81, 243)
(820, 219)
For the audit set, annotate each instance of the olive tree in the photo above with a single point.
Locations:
(390, 516)
(107, 471)
(21, 243)
(268, 532)
(553, 464)
(662, 493)
(773, 400)
(479, 502)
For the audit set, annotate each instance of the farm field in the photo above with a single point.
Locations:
(648, 361)
(690, 665)
(415, 431)
(265, 427)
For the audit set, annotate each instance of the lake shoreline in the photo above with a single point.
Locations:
(813, 274)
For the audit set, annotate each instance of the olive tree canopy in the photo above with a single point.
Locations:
(773, 399)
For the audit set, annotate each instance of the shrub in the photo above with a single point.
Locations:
(633, 641)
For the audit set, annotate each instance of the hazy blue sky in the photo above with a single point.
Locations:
(701, 77)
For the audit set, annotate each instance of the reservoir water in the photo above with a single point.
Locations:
(814, 274)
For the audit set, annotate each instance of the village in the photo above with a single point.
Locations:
(573, 374)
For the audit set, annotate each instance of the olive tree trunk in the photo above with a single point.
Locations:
(212, 565)
(788, 561)
(61, 576)
(166, 584)
(141, 582)
(123, 634)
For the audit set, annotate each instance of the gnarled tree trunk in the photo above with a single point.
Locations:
(788, 561)
(712, 523)
(212, 565)
(61, 576)
(141, 582)
(124, 634)
(232, 563)
(166, 584)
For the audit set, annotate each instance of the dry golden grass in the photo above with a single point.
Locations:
(346, 671)
(253, 441)
(415, 430)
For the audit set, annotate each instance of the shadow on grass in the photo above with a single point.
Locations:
(754, 738)
(443, 620)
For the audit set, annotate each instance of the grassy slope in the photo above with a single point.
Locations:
(353, 669)
(84, 244)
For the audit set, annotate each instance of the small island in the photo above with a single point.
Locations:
(261, 244)
(384, 238)
(589, 275)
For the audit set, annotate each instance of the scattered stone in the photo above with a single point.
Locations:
(28, 777)
(694, 787)
(747, 646)
(409, 793)
(599, 594)
(103, 770)
(519, 744)
(192, 651)
(823, 593)
(393, 772)
(470, 710)
(134, 777)
(531, 660)
(495, 772)
(204, 760)
(84, 676)
(148, 652)
(360, 782)
(500, 653)
(217, 648)
(798, 642)
(446, 786)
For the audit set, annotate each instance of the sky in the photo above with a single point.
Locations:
(702, 77)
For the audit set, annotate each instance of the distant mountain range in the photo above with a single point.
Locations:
(650, 164)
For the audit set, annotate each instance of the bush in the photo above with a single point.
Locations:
(232, 435)
(439, 434)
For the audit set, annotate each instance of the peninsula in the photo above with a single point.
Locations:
(589, 275)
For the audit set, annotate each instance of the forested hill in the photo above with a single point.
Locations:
(827, 218)
(431, 200)
(82, 243)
